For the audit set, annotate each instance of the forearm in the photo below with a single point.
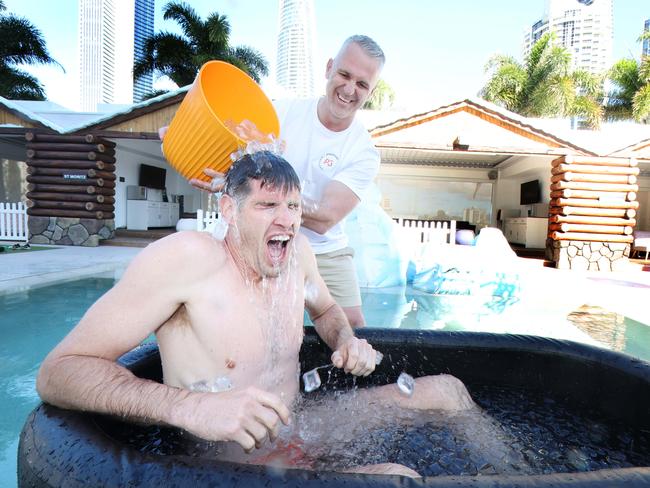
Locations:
(333, 327)
(102, 386)
(336, 201)
(317, 217)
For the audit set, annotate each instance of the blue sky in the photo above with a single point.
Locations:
(435, 49)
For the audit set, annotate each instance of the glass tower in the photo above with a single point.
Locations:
(143, 28)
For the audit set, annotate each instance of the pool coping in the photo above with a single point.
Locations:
(28, 271)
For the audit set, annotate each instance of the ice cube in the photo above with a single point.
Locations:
(311, 379)
(406, 384)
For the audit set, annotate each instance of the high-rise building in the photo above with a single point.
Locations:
(109, 30)
(296, 46)
(143, 28)
(583, 27)
(645, 50)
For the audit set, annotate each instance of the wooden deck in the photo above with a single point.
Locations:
(137, 238)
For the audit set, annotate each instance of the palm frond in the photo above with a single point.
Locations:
(167, 54)
(617, 111)
(505, 86)
(22, 43)
(641, 104)
(644, 35)
(19, 85)
(590, 109)
(185, 16)
(218, 30)
(180, 57)
(536, 52)
(644, 70)
(153, 94)
(254, 60)
(498, 60)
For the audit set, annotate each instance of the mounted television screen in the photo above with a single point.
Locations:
(530, 193)
(152, 177)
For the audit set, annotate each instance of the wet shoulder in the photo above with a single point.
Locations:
(184, 248)
(305, 253)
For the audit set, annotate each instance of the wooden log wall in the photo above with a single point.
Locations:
(70, 176)
(593, 199)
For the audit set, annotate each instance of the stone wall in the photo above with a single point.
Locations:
(590, 256)
(69, 231)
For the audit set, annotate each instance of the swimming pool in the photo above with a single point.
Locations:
(33, 321)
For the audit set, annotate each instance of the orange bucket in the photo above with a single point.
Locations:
(198, 138)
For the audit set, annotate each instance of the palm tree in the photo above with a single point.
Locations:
(630, 98)
(544, 85)
(20, 43)
(381, 97)
(181, 56)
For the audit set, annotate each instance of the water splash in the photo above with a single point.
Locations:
(274, 145)
(311, 292)
(281, 327)
(310, 197)
(219, 228)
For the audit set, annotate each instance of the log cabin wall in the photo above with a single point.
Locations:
(71, 189)
(592, 212)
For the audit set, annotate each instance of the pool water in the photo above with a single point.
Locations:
(34, 321)
(31, 324)
(407, 308)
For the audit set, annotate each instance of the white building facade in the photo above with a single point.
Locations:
(296, 47)
(107, 39)
(583, 27)
(645, 51)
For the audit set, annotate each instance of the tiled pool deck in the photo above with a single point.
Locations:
(24, 270)
(624, 292)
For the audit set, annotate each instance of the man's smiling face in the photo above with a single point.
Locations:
(351, 77)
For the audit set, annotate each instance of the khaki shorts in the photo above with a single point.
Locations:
(340, 276)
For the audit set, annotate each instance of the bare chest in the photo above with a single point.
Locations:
(252, 337)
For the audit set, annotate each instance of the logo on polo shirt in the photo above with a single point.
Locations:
(328, 162)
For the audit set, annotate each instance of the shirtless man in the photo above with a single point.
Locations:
(230, 309)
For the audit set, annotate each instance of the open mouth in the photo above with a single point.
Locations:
(277, 247)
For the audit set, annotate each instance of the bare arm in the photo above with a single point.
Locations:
(335, 204)
(354, 355)
(81, 372)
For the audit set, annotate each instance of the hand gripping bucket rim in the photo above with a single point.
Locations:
(197, 137)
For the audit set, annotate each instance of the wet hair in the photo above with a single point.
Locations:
(266, 167)
(370, 47)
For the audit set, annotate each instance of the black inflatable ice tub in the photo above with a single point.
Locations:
(66, 448)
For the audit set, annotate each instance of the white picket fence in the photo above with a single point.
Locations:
(428, 231)
(13, 222)
(205, 220)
